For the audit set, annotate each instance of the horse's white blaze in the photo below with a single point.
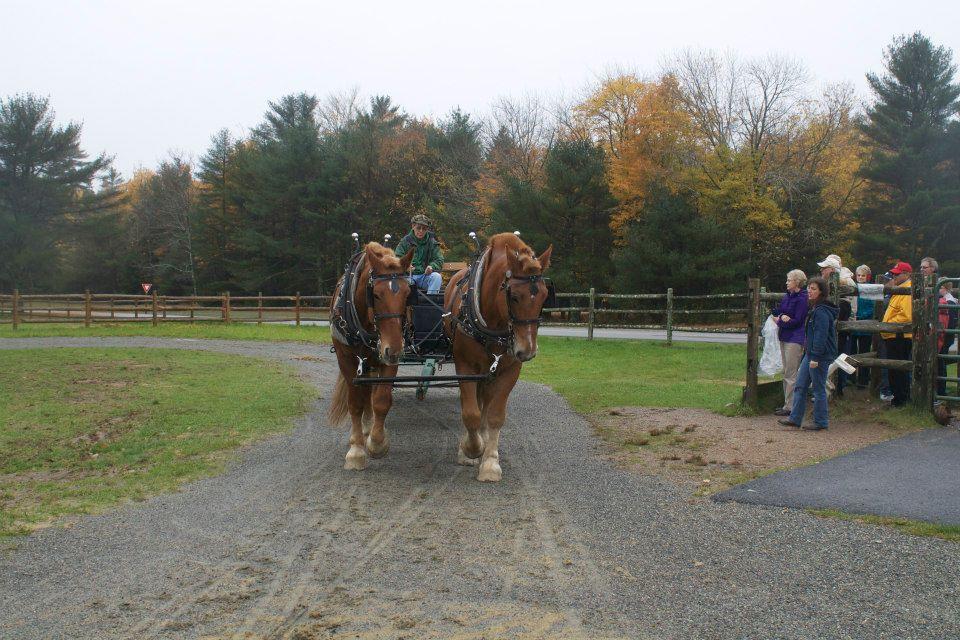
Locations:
(356, 458)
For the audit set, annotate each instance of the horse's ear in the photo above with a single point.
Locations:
(406, 260)
(373, 257)
(544, 258)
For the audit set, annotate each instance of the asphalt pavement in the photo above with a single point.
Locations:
(916, 476)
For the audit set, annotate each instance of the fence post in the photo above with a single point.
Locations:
(591, 312)
(193, 306)
(16, 309)
(87, 310)
(226, 306)
(750, 392)
(920, 392)
(259, 308)
(111, 308)
(296, 308)
(670, 316)
(153, 306)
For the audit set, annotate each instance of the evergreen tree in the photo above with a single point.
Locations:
(572, 211)
(217, 211)
(672, 245)
(911, 206)
(45, 184)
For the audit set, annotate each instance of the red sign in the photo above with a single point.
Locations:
(146, 287)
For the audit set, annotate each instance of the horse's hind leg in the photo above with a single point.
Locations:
(381, 399)
(358, 398)
(471, 443)
(496, 414)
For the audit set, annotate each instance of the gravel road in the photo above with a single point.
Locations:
(286, 544)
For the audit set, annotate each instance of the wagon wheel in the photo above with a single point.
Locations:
(429, 367)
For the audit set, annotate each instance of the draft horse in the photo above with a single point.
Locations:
(368, 323)
(494, 314)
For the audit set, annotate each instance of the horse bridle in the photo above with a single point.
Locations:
(394, 288)
(534, 290)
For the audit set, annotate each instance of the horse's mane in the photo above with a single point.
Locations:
(521, 258)
(385, 256)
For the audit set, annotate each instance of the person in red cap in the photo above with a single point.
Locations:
(899, 345)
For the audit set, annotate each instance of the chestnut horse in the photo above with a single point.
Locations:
(495, 308)
(369, 341)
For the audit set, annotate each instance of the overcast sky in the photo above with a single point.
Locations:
(149, 77)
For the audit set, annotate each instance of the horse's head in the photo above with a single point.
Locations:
(387, 292)
(525, 294)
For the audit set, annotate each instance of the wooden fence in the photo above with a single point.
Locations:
(647, 310)
(95, 308)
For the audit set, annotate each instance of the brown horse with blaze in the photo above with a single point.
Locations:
(370, 341)
(494, 316)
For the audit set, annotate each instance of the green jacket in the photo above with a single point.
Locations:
(426, 252)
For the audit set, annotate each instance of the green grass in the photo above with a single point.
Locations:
(234, 331)
(610, 373)
(904, 525)
(82, 429)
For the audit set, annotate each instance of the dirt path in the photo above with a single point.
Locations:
(288, 545)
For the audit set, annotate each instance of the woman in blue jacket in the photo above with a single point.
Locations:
(821, 350)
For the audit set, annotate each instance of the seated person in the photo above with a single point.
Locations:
(427, 257)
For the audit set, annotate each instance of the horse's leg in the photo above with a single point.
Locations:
(471, 443)
(496, 414)
(358, 397)
(381, 399)
(367, 419)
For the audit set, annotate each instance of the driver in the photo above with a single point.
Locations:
(427, 257)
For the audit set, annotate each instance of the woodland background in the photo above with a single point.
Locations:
(715, 169)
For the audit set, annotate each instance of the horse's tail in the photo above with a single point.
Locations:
(339, 406)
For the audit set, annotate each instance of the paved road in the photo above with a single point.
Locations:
(626, 334)
(916, 476)
(286, 544)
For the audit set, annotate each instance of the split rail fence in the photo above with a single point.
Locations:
(717, 312)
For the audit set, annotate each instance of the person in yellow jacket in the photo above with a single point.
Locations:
(899, 345)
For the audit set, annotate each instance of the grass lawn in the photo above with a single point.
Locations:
(611, 373)
(82, 429)
(218, 330)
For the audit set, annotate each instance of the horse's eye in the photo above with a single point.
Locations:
(376, 296)
(515, 298)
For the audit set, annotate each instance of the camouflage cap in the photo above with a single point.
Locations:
(421, 219)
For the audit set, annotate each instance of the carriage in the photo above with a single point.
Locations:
(427, 347)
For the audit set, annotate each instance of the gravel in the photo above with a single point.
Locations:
(286, 544)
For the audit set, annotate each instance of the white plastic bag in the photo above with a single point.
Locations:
(771, 362)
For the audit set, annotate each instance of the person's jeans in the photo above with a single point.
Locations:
(429, 282)
(805, 378)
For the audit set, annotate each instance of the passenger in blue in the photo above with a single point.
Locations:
(820, 351)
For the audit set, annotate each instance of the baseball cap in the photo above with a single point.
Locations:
(832, 260)
(901, 267)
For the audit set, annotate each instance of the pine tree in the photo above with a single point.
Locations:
(45, 185)
(911, 206)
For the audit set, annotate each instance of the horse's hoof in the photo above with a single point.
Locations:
(489, 471)
(378, 450)
(356, 459)
(465, 460)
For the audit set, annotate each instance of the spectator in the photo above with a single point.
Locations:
(886, 395)
(929, 267)
(427, 256)
(821, 350)
(899, 345)
(790, 316)
(861, 341)
(847, 306)
(948, 320)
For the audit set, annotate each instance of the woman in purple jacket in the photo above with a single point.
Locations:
(790, 316)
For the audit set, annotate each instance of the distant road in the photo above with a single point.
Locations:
(623, 334)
